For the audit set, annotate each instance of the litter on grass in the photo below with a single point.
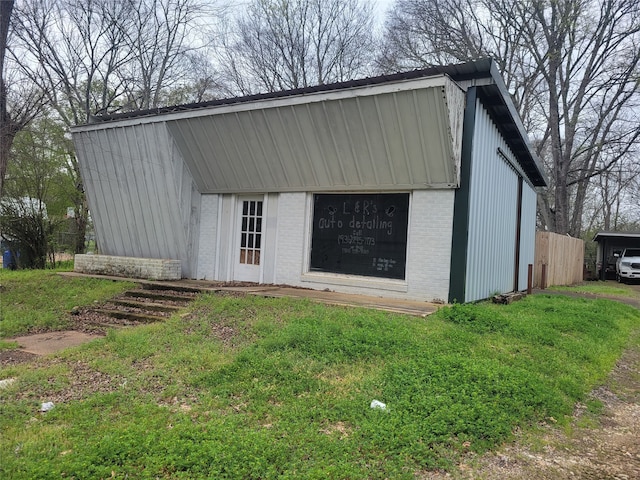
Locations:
(377, 404)
(6, 382)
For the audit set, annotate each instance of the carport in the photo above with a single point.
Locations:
(610, 244)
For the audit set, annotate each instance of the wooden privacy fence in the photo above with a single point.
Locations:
(559, 260)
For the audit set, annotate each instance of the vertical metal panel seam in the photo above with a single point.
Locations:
(155, 183)
(113, 185)
(261, 143)
(384, 140)
(225, 148)
(407, 160)
(252, 154)
(210, 159)
(335, 144)
(354, 154)
(304, 145)
(367, 141)
(323, 154)
(133, 193)
(292, 155)
(423, 144)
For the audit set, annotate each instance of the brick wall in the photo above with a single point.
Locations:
(290, 237)
(428, 255)
(207, 243)
(130, 267)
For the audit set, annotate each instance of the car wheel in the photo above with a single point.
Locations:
(618, 278)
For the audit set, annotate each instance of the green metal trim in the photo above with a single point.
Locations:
(460, 237)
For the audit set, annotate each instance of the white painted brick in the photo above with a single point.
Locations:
(290, 238)
(145, 268)
(429, 250)
(430, 235)
(207, 244)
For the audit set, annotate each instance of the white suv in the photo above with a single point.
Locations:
(628, 265)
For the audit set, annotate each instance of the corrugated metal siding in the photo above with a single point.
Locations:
(142, 197)
(402, 139)
(527, 233)
(492, 215)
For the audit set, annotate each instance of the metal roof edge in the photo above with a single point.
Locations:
(616, 235)
(496, 76)
(327, 87)
(255, 102)
(461, 71)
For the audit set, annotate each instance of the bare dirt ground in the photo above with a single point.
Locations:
(598, 446)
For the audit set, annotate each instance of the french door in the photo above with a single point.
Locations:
(249, 239)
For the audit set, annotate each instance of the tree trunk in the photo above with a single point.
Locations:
(6, 135)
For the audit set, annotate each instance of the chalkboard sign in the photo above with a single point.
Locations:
(362, 234)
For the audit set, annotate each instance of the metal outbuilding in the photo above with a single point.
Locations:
(418, 185)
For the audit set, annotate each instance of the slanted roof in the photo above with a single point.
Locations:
(483, 74)
(600, 236)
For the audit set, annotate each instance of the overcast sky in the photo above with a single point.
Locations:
(381, 8)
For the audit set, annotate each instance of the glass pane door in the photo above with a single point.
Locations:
(251, 232)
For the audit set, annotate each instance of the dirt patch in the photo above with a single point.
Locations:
(33, 346)
(51, 342)
(14, 357)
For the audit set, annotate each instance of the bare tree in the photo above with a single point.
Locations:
(93, 57)
(613, 201)
(571, 65)
(20, 102)
(5, 131)
(287, 44)
(162, 40)
(72, 50)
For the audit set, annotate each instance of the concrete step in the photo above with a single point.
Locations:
(157, 307)
(157, 295)
(137, 317)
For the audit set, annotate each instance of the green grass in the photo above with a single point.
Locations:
(280, 388)
(608, 288)
(32, 300)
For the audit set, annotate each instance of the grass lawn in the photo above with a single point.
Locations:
(249, 387)
(608, 288)
(32, 301)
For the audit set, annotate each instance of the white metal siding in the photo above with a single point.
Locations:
(492, 214)
(142, 197)
(398, 140)
(527, 233)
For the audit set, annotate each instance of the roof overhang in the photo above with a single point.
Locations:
(601, 236)
(482, 74)
(404, 135)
